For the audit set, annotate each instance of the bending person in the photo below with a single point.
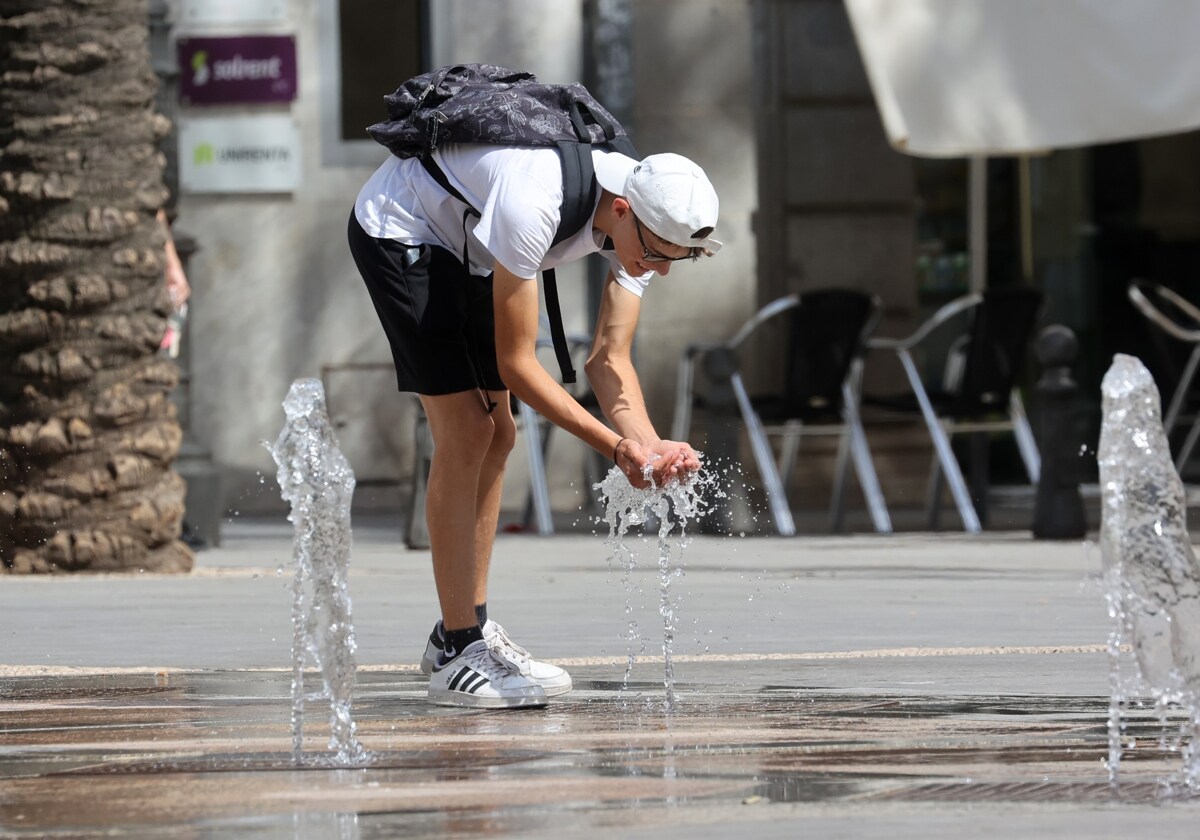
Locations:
(463, 335)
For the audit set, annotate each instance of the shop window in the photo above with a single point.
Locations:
(1078, 224)
(382, 43)
(367, 48)
(943, 221)
(943, 261)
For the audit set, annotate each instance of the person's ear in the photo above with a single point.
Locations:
(620, 207)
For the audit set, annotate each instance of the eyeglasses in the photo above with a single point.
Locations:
(655, 257)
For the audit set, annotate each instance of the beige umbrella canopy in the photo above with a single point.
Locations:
(956, 78)
(980, 78)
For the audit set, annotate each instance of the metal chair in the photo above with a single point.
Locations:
(976, 390)
(416, 533)
(536, 432)
(821, 391)
(1179, 319)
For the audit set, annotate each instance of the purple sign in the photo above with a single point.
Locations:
(230, 71)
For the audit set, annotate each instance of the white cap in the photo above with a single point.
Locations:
(668, 193)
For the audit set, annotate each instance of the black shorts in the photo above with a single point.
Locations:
(437, 315)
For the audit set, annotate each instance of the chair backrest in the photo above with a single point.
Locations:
(984, 365)
(1169, 311)
(1174, 331)
(826, 334)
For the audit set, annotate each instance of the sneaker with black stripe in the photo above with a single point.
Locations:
(478, 678)
(553, 679)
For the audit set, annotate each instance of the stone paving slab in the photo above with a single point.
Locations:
(143, 753)
(566, 598)
(909, 686)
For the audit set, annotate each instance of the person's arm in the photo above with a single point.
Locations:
(176, 280)
(615, 381)
(516, 310)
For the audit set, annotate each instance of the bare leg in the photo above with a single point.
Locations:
(491, 485)
(462, 438)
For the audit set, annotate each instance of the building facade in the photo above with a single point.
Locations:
(769, 96)
(275, 293)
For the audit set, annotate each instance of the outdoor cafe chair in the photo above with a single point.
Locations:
(975, 390)
(1179, 319)
(820, 396)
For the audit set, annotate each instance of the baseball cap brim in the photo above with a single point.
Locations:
(612, 171)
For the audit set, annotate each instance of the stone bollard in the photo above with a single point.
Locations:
(1058, 511)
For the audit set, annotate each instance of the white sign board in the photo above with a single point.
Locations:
(251, 154)
(216, 12)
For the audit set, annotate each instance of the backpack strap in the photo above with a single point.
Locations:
(558, 335)
(579, 199)
(580, 192)
(549, 284)
(436, 173)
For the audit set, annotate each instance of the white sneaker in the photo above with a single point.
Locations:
(434, 648)
(477, 677)
(551, 678)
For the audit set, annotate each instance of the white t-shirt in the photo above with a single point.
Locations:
(518, 193)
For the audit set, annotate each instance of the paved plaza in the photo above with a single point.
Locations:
(913, 685)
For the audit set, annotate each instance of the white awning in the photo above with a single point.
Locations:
(957, 78)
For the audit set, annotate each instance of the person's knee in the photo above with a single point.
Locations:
(504, 436)
(466, 440)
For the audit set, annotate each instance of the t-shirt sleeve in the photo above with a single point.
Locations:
(518, 222)
(637, 284)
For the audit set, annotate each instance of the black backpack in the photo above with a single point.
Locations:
(484, 103)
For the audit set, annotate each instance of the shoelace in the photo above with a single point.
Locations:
(509, 649)
(489, 665)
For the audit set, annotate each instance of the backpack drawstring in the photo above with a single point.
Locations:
(489, 405)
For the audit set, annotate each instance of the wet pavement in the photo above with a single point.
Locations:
(861, 687)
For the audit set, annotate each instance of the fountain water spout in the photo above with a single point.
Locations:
(1151, 570)
(316, 479)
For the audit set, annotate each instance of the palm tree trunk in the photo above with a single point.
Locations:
(87, 430)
